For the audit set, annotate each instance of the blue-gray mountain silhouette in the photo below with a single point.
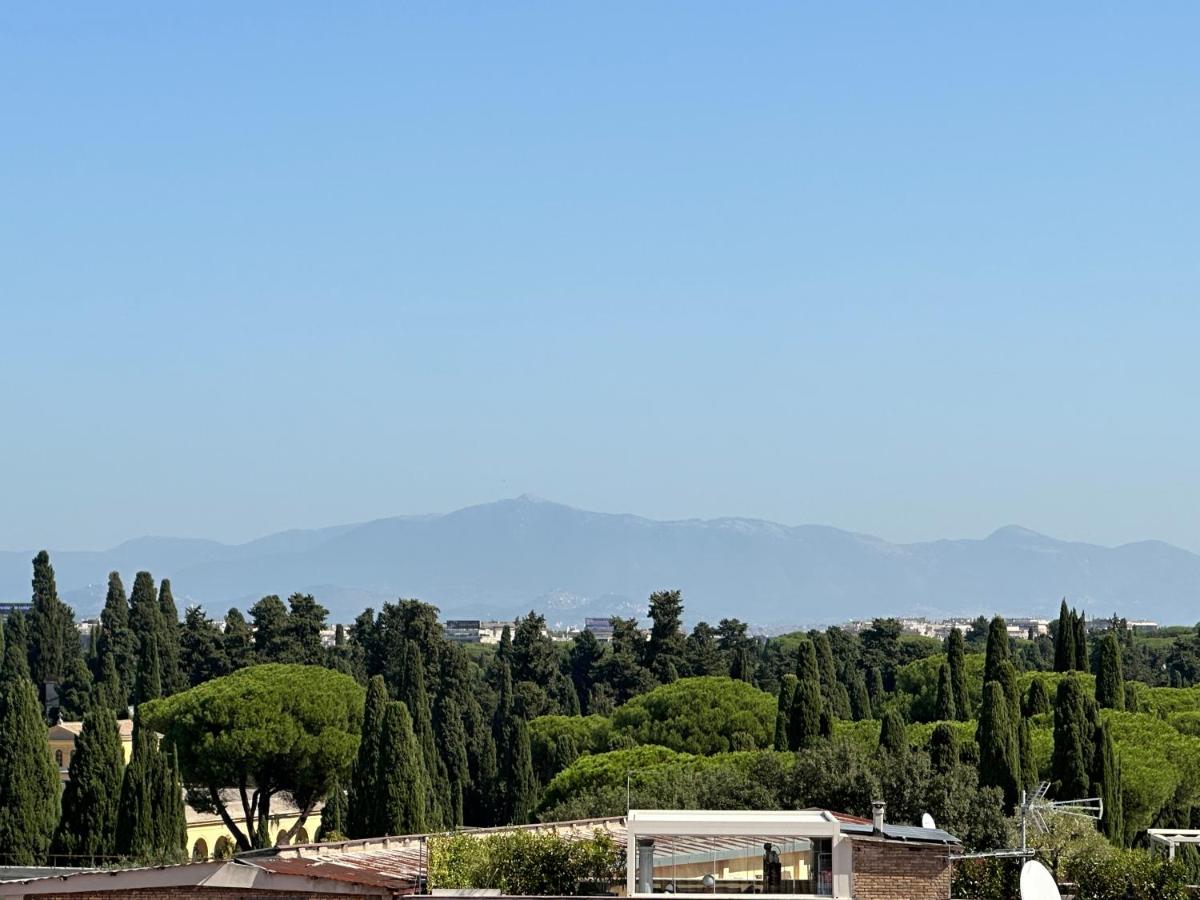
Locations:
(502, 559)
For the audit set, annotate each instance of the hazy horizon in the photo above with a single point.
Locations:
(909, 272)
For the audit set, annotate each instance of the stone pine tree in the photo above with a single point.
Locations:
(893, 738)
(956, 659)
(116, 648)
(401, 777)
(1064, 640)
(943, 748)
(783, 710)
(944, 709)
(804, 723)
(87, 831)
(1081, 644)
(1106, 784)
(363, 819)
(998, 762)
(1037, 698)
(29, 789)
(415, 698)
(1071, 761)
(1110, 682)
(173, 678)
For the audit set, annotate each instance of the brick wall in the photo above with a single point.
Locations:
(890, 871)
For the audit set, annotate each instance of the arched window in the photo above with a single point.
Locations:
(224, 848)
(302, 836)
(200, 851)
(282, 839)
(58, 758)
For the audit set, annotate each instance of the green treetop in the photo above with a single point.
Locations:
(87, 831)
(29, 789)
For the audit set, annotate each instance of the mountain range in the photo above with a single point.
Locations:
(501, 559)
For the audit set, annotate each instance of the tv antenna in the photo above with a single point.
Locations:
(1035, 808)
(1037, 883)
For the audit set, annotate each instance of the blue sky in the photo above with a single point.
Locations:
(913, 270)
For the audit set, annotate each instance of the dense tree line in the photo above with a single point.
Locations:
(450, 736)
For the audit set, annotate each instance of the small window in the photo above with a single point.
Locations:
(58, 758)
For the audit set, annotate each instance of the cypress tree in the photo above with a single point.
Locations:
(997, 650)
(16, 651)
(1081, 644)
(943, 748)
(75, 691)
(1012, 693)
(944, 710)
(804, 724)
(1110, 682)
(53, 640)
(741, 668)
(150, 816)
(1064, 640)
(1037, 698)
(957, 661)
(517, 784)
(414, 697)
(835, 694)
(452, 739)
(860, 700)
(806, 662)
(363, 818)
(1070, 763)
(87, 831)
(149, 681)
(237, 640)
(173, 678)
(334, 814)
(401, 778)
(117, 642)
(875, 689)
(1106, 784)
(783, 710)
(29, 790)
(523, 779)
(893, 738)
(998, 763)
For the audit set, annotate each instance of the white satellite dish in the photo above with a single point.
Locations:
(1037, 883)
(927, 821)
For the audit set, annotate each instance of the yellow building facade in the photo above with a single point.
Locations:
(207, 836)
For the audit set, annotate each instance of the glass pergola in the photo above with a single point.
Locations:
(734, 852)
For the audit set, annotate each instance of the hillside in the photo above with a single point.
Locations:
(502, 558)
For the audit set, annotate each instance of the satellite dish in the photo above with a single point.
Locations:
(1037, 883)
(927, 821)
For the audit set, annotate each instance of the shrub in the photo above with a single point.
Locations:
(524, 863)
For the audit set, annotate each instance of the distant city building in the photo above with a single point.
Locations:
(475, 631)
(601, 629)
(8, 607)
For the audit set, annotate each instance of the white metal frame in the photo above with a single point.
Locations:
(805, 823)
(1173, 837)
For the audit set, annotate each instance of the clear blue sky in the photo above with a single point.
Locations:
(918, 270)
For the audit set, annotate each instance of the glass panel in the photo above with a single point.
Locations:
(734, 864)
